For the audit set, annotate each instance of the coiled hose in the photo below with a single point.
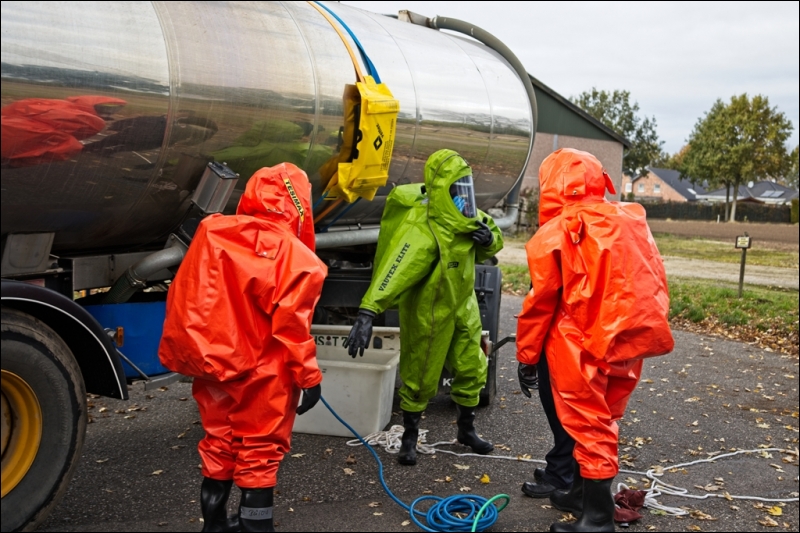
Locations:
(480, 513)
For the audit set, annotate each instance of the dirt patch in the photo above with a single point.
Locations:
(778, 236)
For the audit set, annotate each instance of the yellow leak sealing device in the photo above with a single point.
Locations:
(370, 110)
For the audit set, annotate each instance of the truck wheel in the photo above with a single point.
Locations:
(43, 422)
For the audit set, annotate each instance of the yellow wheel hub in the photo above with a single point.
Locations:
(21, 429)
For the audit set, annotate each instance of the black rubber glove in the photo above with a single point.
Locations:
(528, 378)
(360, 334)
(483, 235)
(310, 398)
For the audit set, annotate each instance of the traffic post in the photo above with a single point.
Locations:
(744, 242)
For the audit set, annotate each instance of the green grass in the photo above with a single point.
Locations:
(676, 246)
(712, 302)
(708, 250)
(760, 307)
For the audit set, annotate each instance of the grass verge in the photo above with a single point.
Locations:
(764, 316)
(724, 252)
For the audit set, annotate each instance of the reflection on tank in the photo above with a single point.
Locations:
(269, 142)
(42, 130)
(147, 133)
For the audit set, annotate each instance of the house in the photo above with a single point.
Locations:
(765, 192)
(562, 124)
(661, 185)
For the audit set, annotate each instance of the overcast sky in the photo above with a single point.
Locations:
(676, 59)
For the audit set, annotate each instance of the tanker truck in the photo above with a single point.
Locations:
(124, 123)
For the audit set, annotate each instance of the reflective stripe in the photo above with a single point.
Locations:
(256, 513)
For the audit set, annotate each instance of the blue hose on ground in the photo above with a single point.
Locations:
(480, 513)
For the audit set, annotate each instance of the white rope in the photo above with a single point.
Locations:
(390, 441)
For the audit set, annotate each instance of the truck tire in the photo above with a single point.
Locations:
(44, 419)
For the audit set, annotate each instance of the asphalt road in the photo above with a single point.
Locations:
(139, 469)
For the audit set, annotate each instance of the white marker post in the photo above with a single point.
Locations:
(744, 242)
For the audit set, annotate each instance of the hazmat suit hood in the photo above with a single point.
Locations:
(442, 169)
(568, 176)
(282, 194)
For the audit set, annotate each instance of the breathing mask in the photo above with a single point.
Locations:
(463, 194)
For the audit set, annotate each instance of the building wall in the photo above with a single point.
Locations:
(666, 194)
(608, 152)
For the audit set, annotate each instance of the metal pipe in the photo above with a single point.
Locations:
(135, 278)
(483, 36)
(335, 239)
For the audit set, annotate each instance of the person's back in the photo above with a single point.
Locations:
(598, 305)
(614, 284)
(238, 320)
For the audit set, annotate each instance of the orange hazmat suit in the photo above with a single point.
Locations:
(238, 320)
(598, 304)
(40, 130)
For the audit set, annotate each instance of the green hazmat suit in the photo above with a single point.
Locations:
(425, 266)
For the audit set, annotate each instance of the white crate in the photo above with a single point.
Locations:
(360, 390)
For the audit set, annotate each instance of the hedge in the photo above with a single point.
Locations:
(784, 214)
(795, 211)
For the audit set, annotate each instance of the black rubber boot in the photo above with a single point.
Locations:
(598, 508)
(213, 503)
(466, 431)
(570, 501)
(408, 444)
(255, 510)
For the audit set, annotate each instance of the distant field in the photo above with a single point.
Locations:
(762, 253)
(774, 236)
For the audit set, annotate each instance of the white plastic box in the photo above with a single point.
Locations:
(360, 390)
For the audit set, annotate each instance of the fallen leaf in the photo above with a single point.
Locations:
(130, 416)
(298, 455)
(775, 511)
(461, 467)
(157, 472)
(405, 523)
(427, 491)
(102, 410)
(178, 446)
(485, 479)
(692, 399)
(694, 527)
(351, 459)
(438, 481)
(101, 460)
(693, 423)
(700, 515)
(374, 504)
(348, 471)
(448, 479)
(378, 514)
(465, 489)
(768, 522)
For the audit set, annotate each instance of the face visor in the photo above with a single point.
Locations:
(463, 194)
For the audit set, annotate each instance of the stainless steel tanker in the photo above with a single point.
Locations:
(252, 83)
(169, 87)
